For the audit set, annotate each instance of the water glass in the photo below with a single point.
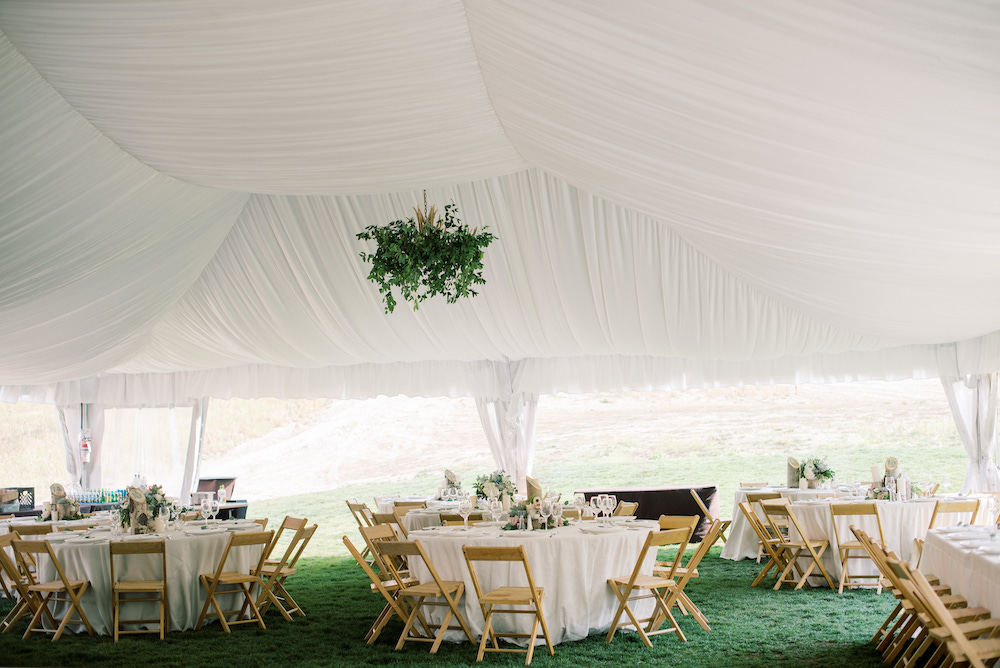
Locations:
(546, 511)
(557, 511)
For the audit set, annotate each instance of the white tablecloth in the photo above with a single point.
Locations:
(902, 521)
(188, 555)
(967, 560)
(572, 566)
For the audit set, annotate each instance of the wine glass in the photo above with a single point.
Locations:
(579, 501)
(612, 504)
(546, 511)
(557, 511)
(595, 506)
(495, 508)
(213, 508)
(465, 509)
(206, 508)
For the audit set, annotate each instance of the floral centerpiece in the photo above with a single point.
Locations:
(155, 502)
(69, 510)
(815, 470)
(522, 513)
(495, 485)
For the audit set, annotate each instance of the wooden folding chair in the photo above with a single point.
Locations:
(683, 574)
(529, 599)
(916, 630)
(849, 548)
(407, 506)
(280, 572)
(419, 595)
(711, 518)
(262, 521)
(377, 534)
(959, 643)
(951, 506)
(626, 508)
(389, 589)
(628, 589)
(363, 516)
(292, 524)
(689, 522)
(154, 590)
(62, 590)
(391, 520)
(236, 582)
(754, 499)
(768, 544)
(804, 547)
(27, 603)
(190, 515)
(32, 529)
(447, 518)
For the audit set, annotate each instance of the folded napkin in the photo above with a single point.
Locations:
(534, 489)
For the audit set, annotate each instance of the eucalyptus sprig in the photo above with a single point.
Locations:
(425, 256)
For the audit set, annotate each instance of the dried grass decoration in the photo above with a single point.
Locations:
(426, 256)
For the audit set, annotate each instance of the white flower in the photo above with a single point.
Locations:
(490, 489)
(810, 471)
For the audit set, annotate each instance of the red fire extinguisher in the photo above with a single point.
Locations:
(85, 447)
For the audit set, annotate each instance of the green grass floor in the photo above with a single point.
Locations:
(750, 627)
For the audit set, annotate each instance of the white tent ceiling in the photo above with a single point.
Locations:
(685, 193)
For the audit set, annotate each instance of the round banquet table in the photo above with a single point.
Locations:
(572, 564)
(85, 556)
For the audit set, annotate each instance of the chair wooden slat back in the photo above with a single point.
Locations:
(155, 590)
(529, 600)
(32, 529)
(626, 508)
(362, 514)
(953, 506)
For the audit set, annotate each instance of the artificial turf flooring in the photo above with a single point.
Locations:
(750, 627)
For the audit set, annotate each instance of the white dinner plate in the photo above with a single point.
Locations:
(990, 548)
(600, 530)
(197, 531)
(82, 539)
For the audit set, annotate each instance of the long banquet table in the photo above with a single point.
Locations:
(85, 555)
(572, 564)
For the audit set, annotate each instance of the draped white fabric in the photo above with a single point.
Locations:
(684, 194)
(973, 401)
(509, 424)
(71, 417)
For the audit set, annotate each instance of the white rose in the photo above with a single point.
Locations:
(810, 471)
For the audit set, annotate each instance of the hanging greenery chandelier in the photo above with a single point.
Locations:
(426, 255)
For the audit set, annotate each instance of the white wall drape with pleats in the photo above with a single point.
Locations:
(72, 418)
(973, 401)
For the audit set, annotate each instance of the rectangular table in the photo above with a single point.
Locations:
(669, 500)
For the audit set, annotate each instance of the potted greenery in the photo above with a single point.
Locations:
(425, 256)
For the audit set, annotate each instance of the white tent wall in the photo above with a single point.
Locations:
(684, 195)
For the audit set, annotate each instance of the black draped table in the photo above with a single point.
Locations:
(671, 500)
